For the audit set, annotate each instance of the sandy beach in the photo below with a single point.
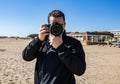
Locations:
(103, 64)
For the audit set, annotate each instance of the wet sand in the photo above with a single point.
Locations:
(103, 64)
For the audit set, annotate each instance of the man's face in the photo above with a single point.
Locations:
(58, 19)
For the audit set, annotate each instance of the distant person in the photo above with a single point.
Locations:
(110, 43)
(58, 57)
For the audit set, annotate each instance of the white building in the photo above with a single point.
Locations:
(116, 33)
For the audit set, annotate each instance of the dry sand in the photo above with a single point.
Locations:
(103, 64)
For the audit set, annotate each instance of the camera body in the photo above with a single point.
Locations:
(55, 28)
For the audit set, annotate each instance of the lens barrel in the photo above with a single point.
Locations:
(56, 29)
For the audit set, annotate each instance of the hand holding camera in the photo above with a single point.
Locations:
(55, 41)
(55, 29)
(44, 31)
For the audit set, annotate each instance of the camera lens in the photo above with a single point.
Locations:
(56, 29)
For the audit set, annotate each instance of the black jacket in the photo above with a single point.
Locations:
(56, 66)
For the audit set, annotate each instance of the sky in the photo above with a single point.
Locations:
(24, 17)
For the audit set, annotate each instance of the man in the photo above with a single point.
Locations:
(58, 57)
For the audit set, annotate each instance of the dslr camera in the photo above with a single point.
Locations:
(55, 28)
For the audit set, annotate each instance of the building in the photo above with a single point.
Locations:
(116, 34)
(90, 38)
